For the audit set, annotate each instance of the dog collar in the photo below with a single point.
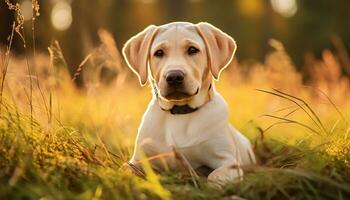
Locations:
(181, 110)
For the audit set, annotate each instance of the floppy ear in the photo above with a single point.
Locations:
(136, 52)
(220, 47)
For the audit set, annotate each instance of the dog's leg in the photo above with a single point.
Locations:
(226, 174)
(148, 151)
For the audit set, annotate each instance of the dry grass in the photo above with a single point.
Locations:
(61, 142)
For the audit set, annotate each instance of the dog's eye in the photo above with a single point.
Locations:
(192, 50)
(159, 53)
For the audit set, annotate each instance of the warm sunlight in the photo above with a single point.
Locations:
(174, 99)
(286, 8)
(26, 8)
(61, 15)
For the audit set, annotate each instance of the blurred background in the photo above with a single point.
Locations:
(303, 26)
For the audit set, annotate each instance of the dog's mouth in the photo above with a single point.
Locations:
(176, 95)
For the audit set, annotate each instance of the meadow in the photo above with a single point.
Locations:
(61, 141)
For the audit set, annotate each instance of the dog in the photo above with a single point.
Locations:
(181, 60)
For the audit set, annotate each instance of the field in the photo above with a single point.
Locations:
(60, 141)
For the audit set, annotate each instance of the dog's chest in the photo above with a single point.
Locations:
(182, 131)
(186, 132)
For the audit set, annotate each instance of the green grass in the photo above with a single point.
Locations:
(61, 162)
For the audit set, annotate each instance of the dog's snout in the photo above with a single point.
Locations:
(175, 77)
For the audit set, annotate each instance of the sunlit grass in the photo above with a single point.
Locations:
(58, 141)
(79, 153)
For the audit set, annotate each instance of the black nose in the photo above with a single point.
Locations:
(175, 77)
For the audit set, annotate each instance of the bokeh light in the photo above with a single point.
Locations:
(61, 16)
(251, 8)
(26, 9)
(286, 8)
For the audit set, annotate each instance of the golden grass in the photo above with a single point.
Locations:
(68, 134)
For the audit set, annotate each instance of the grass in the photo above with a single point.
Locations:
(79, 156)
(61, 142)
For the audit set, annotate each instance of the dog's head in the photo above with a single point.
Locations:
(180, 59)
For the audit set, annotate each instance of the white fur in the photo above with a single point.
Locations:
(204, 137)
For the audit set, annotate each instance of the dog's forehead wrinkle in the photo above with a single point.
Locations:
(177, 34)
(161, 44)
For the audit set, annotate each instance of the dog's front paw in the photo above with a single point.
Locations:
(224, 175)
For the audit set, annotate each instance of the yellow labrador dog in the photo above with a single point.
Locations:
(180, 60)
